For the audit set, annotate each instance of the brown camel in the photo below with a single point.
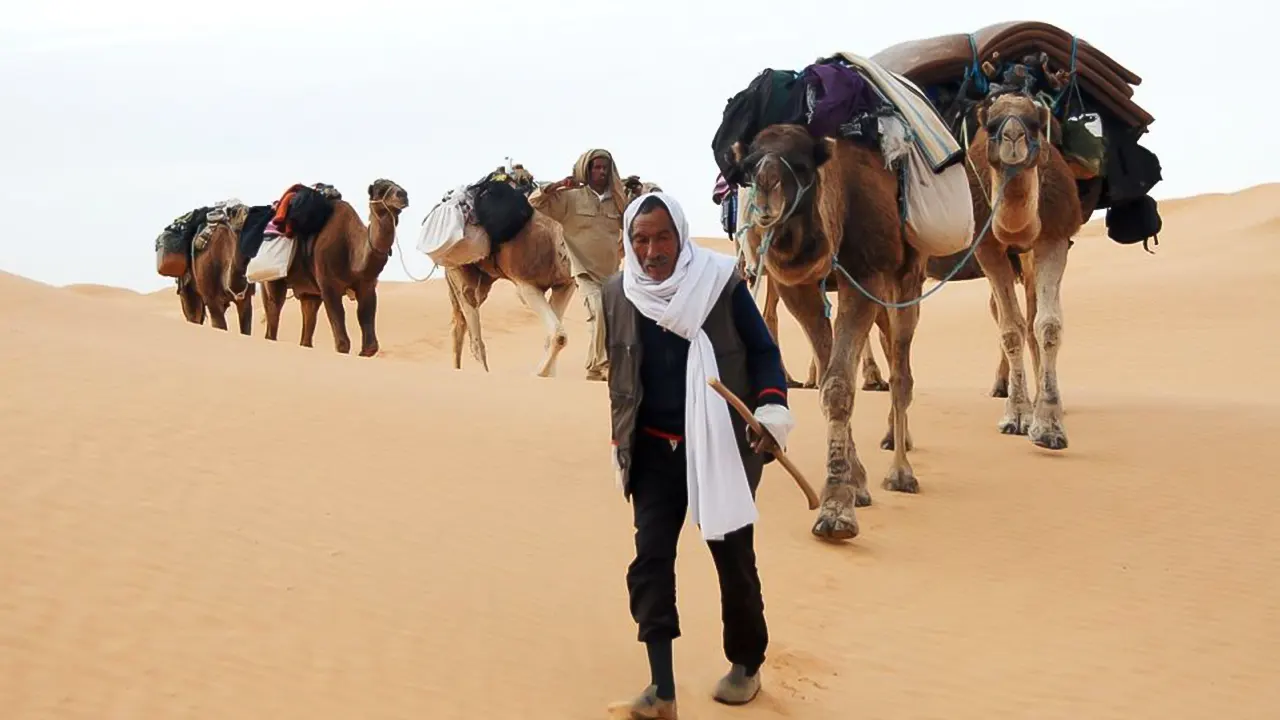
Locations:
(1037, 211)
(344, 258)
(535, 261)
(849, 215)
(872, 379)
(218, 266)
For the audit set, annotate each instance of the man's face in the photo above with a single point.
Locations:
(656, 244)
(598, 175)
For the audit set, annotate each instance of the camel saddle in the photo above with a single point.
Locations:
(947, 57)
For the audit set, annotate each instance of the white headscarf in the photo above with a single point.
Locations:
(719, 497)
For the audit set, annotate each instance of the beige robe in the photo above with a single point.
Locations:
(592, 226)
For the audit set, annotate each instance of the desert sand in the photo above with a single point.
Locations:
(194, 524)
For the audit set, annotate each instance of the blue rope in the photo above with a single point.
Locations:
(974, 70)
(973, 247)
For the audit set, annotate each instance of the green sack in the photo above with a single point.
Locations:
(1083, 145)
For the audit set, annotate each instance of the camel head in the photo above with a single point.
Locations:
(782, 165)
(1016, 125)
(221, 235)
(389, 195)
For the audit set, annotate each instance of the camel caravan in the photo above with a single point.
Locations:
(843, 186)
(311, 242)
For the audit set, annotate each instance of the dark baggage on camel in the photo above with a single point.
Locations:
(173, 245)
(1098, 124)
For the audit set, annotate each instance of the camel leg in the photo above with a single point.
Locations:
(559, 302)
(1046, 424)
(556, 337)
(457, 322)
(273, 293)
(846, 485)
(811, 382)
(1001, 387)
(471, 313)
(337, 314)
(884, 323)
(193, 307)
(218, 314)
(466, 320)
(902, 330)
(310, 306)
(1029, 291)
(872, 379)
(366, 314)
(1013, 331)
(771, 322)
(244, 309)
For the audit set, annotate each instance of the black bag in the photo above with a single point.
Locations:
(251, 232)
(500, 209)
(1131, 170)
(1135, 221)
(772, 97)
(309, 211)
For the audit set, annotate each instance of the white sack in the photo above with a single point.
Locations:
(445, 236)
(272, 260)
(939, 206)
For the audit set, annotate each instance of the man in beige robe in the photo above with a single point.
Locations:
(589, 206)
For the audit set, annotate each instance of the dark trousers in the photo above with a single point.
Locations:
(659, 498)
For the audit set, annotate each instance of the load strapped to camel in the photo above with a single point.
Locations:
(472, 221)
(1090, 94)
(270, 238)
(851, 97)
(174, 244)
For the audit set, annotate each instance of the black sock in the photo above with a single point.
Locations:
(660, 668)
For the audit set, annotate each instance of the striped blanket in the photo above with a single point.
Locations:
(928, 130)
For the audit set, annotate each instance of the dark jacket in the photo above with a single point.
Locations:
(749, 362)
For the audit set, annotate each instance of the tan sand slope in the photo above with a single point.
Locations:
(194, 524)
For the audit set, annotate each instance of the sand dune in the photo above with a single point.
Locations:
(195, 524)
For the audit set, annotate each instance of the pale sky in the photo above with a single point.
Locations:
(116, 117)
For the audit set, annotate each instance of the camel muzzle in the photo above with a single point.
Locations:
(1013, 144)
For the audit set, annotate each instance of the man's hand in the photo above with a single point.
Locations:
(565, 184)
(777, 423)
(761, 443)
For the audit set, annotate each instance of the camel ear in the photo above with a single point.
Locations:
(822, 151)
(737, 151)
(371, 191)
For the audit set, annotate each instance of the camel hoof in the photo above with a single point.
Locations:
(369, 351)
(875, 386)
(888, 444)
(1049, 437)
(1000, 389)
(1015, 422)
(793, 384)
(842, 527)
(810, 386)
(901, 480)
(862, 498)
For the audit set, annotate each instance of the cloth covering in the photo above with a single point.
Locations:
(720, 499)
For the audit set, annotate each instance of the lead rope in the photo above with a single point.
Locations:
(395, 240)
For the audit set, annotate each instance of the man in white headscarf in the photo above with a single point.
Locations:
(677, 316)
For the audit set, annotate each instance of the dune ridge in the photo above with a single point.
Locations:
(196, 524)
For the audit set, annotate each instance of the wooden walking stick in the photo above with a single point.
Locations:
(742, 409)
